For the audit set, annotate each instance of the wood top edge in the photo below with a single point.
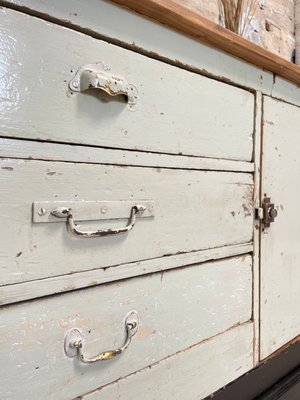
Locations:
(178, 17)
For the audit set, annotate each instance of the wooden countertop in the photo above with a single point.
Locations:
(188, 22)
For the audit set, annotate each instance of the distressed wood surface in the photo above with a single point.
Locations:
(177, 111)
(190, 375)
(280, 251)
(109, 21)
(177, 309)
(256, 234)
(44, 287)
(189, 205)
(286, 91)
(28, 149)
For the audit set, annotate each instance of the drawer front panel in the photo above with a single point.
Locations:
(190, 375)
(176, 111)
(193, 210)
(177, 309)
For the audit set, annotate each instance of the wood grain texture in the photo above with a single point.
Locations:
(280, 251)
(190, 375)
(188, 207)
(190, 23)
(177, 310)
(43, 287)
(177, 111)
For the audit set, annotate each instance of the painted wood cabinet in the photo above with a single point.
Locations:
(136, 259)
(280, 253)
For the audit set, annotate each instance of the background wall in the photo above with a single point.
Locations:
(272, 28)
(297, 30)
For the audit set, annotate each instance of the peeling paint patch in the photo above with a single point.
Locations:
(247, 211)
(270, 123)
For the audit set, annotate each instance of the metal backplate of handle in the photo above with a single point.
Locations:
(70, 211)
(98, 76)
(74, 342)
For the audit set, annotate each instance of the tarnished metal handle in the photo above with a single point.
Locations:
(94, 76)
(76, 344)
(64, 212)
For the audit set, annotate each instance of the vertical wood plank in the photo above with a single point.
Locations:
(280, 251)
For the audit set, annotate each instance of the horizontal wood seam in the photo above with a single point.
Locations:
(34, 289)
(26, 149)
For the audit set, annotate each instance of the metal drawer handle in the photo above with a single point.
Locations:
(74, 342)
(64, 212)
(96, 76)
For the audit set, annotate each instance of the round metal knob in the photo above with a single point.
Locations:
(273, 213)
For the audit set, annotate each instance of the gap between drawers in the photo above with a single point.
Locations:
(29, 290)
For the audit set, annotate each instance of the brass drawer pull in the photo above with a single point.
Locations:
(74, 342)
(65, 212)
(97, 76)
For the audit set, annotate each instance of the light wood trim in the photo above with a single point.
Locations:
(177, 16)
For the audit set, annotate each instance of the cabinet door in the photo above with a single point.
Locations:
(280, 243)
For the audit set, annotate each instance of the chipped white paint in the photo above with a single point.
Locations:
(177, 309)
(189, 205)
(190, 375)
(96, 76)
(177, 111)
(124, 27)
(280, 251)
(199, 215)
(25, 149)
(43, 287)
(286, 91)
(256, 235)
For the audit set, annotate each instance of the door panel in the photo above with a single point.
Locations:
(280, 243)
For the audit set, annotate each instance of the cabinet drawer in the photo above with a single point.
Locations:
(176, 310)
(191, 374)
(193, 210)
(175, 111)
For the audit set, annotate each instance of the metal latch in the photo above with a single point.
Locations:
(267, 213)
